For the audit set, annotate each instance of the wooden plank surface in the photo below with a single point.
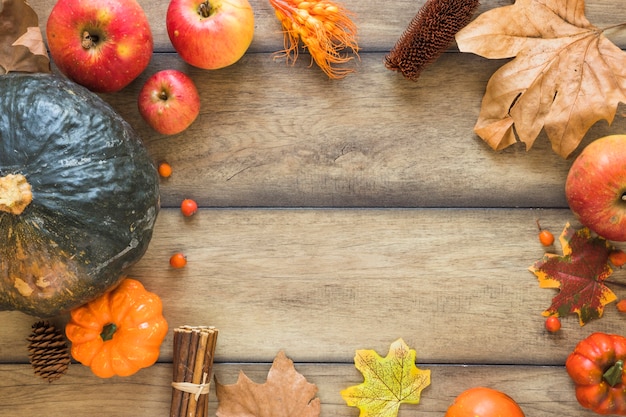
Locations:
(379, 27)
(274, 135)
(541, 391)
(304, 279)
(342, 215)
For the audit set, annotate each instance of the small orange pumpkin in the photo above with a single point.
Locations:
(119, 332)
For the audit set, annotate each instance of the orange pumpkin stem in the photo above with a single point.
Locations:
(108, 331)
(15, 193)
(613, 375)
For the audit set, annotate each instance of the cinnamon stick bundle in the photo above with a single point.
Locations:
(194, 350)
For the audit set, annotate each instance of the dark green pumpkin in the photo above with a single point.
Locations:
(95, 195)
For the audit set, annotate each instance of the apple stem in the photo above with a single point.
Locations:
(89, 40)
(624, 197)
(205, 9)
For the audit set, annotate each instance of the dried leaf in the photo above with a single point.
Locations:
(33, 40)
(21, 44)
(579, 274)
(388, 382)
(565, 77)
(286, 393)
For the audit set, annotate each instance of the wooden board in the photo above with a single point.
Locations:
(148, 393)
(337, 216)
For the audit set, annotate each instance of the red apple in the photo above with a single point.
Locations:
(169, 102)
(100, 44)
(596, 187)
(210, 34)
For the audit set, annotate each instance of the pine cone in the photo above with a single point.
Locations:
(48, 351)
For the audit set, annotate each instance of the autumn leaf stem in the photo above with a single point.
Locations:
(616, 283)
(614, 26)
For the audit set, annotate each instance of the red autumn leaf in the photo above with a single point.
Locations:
(579, 274)
(21, 44)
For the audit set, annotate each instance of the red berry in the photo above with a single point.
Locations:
(188, 207)
(165, 169)
(178, 260)
(617, 257)
(621, 306)
(553, 324)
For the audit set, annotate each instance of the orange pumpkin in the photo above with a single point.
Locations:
(119, 332)
(484, 402)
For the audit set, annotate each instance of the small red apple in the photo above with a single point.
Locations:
(210, 34)
(100, 44)
(596, 187)
(169, 102)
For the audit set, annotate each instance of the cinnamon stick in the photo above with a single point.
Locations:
(182, 342)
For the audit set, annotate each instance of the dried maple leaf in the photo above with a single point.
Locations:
(565, 77)
(388, 381)
(21, 44)
(286, 393)
(579, 273)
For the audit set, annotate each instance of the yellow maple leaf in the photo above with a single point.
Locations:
(388, 381)
(566, 75)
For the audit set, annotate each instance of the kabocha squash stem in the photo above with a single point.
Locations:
(15, 193)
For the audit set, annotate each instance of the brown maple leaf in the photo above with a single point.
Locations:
(565, 77)
(286, 393)
(579, 274)
(21, 44)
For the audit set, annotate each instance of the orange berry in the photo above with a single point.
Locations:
(621, 306)
(165, 169)
(188, 207)
(178, 260)
(546, 238)
(553, 324)
(617, 257)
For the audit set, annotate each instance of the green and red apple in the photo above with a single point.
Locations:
(101, 44)
(596, 187)
(169, 101)
(210, 34)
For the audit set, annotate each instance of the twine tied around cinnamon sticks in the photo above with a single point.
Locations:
(191, 388)
(194, 350)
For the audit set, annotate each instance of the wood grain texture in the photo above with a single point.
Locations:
(337, 216)
(273, 135)
(379, 27)
(302, 280)
(541, 391)
(372, 140)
